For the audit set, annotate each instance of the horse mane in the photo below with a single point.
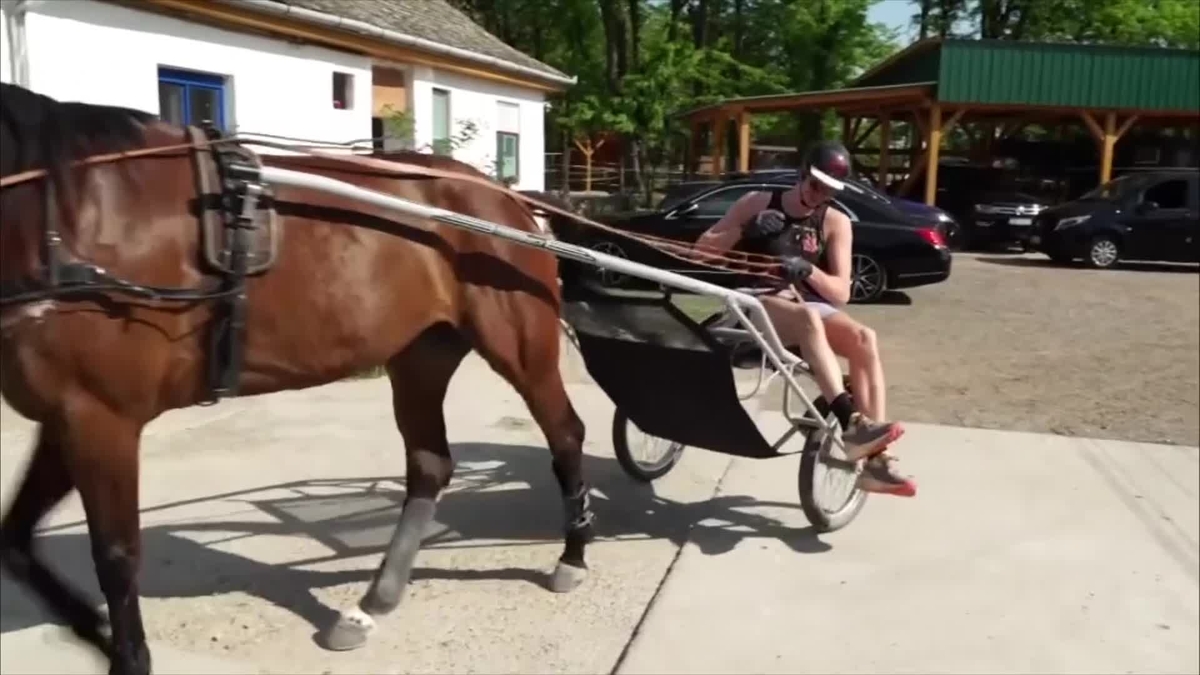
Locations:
(38, 132)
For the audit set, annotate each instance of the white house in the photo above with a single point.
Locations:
(333, 71)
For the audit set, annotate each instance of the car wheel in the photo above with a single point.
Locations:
(608, 278)
(868, 279)
(1103, 252)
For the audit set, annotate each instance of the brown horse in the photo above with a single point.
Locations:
(350, 287)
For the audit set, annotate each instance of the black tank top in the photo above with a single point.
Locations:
(804, 237)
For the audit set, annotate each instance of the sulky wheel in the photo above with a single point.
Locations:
(661, 457)
(829, 493)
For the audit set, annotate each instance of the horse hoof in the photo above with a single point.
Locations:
(350, 632)
(567, 578)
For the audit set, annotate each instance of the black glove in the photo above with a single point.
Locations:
(795, 268)
(766, 223)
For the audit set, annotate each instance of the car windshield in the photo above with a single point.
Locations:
(1113, 188)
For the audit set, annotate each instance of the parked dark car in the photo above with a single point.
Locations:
(950, 228)
(891, 250)
(1152, 216)
(1002, 217)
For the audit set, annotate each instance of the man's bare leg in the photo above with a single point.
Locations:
(801, 325)
(858, 345)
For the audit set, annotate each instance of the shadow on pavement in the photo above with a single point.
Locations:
(1123, 266)
(502, 493)
(899, 298)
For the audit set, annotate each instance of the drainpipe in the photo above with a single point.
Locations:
(18, 50)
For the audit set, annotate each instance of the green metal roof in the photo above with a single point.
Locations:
(1005, 72)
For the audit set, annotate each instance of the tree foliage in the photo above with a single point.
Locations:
(641, 62)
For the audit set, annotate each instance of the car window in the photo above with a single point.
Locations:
(718, 202)
(1171, 194)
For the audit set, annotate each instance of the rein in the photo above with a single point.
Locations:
(78, 277)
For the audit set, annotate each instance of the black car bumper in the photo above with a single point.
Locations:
(1001, 228)
(920, 270)
(1070, 242)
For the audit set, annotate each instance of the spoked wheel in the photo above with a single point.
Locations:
(609, 278)
(644, 457)
(829, 493)
(868, 279)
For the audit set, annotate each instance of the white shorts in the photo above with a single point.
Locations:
(824, 309)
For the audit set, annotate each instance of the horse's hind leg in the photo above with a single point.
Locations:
(527, 357)
(98, 450)
(420, 376)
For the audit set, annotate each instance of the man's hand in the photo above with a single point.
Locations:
(766, 223)
(795, 268)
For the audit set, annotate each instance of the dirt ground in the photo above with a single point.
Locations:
(1015, 342)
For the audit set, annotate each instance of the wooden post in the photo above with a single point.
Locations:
(1109, 144)
(931, 159)
(885, 157)
(743, 119)
(847, 130)
(720, 122)
(1107, 137)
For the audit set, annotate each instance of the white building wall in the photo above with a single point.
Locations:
(478, 101)
(95, 52)
(273, 86)
(5, 67)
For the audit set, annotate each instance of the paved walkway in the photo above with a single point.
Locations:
(264, 516)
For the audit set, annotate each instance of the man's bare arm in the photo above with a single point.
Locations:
(728, 230)
(834, 285)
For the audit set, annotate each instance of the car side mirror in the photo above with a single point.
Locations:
(684, 210)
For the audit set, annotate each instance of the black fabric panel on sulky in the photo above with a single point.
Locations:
(664, 371)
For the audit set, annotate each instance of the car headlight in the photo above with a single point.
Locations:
(1070, 222)
(945, 218)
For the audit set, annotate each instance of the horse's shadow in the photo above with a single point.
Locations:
(355, 517)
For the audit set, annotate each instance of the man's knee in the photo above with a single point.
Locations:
(866, 343)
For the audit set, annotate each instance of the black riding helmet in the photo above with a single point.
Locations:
(828, 162)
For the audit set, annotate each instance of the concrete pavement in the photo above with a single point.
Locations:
(263, 516)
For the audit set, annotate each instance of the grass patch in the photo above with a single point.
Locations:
(698, 307)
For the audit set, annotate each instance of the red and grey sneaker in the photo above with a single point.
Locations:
(879, 477)
(865, 437)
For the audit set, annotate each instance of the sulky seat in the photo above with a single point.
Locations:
(662, 369)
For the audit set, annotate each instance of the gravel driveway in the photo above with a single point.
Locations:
(1015, 342)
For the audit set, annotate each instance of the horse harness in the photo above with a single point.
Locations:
(239, 239)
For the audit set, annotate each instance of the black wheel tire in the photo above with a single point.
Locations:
(1103, 252)
(821, 519)
(868, 267)
(605, 277)
(620, 440)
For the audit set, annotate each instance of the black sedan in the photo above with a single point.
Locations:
(892, 250)
(1150, 216)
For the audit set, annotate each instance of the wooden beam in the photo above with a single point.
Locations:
(861, 137)
(1109, 142)
(1126, 126)
(720, 122)
(916, 170)
(848, 125)
(949, 125)
(935, 143)
(885, 159)
(743, 141)
(1090, 123)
